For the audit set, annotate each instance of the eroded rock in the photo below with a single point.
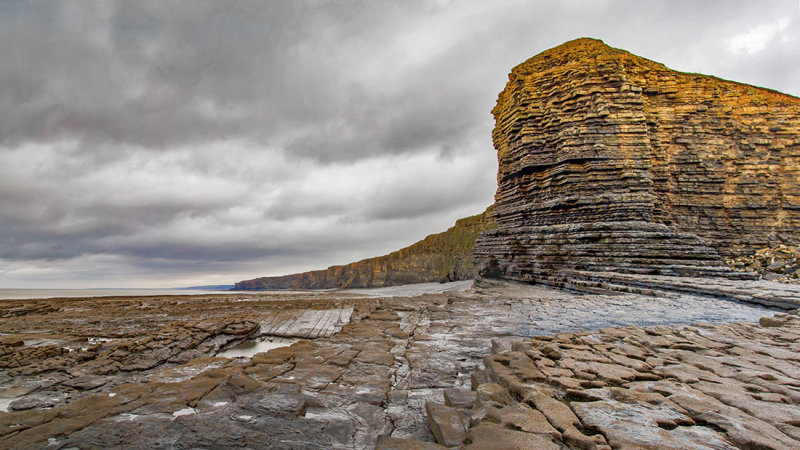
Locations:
(603, 170)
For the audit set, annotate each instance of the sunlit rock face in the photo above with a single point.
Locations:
(610, 161)
(439, 257)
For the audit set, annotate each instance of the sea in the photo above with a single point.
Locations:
(13, 294)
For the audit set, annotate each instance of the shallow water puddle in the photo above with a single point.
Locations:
(42, 342)
(184, 412)
(5, 402)
(249, 348)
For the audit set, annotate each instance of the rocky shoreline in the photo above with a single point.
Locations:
(392, 372)
(703, 386)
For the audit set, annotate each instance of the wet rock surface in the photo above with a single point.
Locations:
(701, 386)
(397, 366)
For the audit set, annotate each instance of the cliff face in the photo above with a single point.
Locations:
(609, 161)
(439, 257)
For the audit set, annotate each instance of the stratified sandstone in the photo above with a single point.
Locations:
(439, 257)
(611, 162)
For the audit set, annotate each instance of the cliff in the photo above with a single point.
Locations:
(612, 162)
(439, 257)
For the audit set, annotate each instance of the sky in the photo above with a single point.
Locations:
(165, 144)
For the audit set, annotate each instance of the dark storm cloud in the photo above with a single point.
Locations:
(200, 142)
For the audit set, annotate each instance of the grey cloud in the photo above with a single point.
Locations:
(156, 74)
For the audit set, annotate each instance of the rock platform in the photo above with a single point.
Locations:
(461, 368)
(704, 386)
(745, 289)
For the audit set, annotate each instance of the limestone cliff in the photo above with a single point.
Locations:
(609, 161)
(439, 257)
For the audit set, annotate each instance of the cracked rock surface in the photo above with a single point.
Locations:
(394, 372)
(702, 386)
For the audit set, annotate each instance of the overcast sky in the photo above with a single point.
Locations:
(158, 144)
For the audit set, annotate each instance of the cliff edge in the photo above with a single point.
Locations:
(611, 162)
(439, 257)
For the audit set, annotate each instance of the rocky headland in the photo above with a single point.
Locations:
(439, 257)
(609, 162)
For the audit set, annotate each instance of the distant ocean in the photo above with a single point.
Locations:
(8, 294)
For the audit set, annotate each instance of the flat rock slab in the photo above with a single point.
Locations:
(447, 424)
(309, 324)
(492, 436)
(460, 398)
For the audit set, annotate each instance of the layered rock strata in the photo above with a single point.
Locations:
(611, 162)
(439, 257)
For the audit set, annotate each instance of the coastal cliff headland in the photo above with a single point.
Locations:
(610, 162)
(439, 257)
